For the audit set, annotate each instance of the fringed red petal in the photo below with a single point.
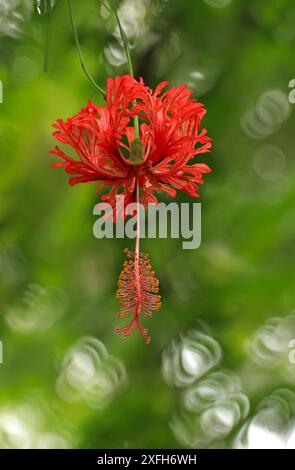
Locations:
(170, 134)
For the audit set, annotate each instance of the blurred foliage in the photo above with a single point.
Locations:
(58, 282)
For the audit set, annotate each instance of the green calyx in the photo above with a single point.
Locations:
(136, 152)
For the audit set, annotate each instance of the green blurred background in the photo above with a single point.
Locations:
(220, 369)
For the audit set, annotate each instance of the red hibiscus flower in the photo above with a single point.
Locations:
(160, 160)
(141, 142)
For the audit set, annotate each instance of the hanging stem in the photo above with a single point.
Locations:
(96, 86)
(129, 63)
(126, 44)
(130, 67)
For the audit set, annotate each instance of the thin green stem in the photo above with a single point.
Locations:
(125, 44)
(129, 62)
(96, 86)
